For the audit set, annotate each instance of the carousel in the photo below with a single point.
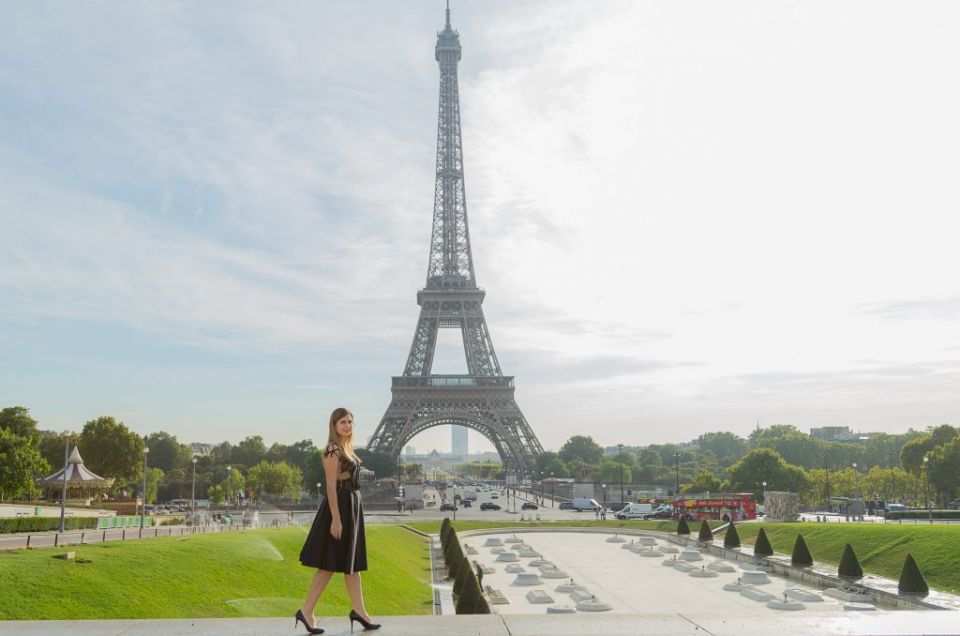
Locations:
(82, 484)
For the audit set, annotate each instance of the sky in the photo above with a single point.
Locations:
(688, 217)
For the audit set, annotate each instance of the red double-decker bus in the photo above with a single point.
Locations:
(726, 506)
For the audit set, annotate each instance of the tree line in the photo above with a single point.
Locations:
(889, 466)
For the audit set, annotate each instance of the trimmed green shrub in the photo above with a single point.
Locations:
(42, 524)
(453, 555)
(463, 571)
(705, 534)
(732, 538)
(682, 527)
(849, 565)
(801, 555)
(922, 514)
(762, 547)
(911, 579)
(471, 600)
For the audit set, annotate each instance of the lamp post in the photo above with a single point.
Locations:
(620, 450)
(764, 499)
(926, 476)
(859, 495)
(676, 487)
(193, 488)
(63, 489)
(143, 510)
(229, 488)
(604, 488)
(552, 483)
(319, 491)
(826, 468)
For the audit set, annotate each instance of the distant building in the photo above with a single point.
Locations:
(839, 434)
(409, 451)
(459, 443)
(199, 449)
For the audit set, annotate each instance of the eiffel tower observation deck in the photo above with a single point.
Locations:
(483, 398)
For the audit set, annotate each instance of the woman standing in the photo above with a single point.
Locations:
(336, 542)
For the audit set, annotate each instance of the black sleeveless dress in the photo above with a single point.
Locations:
(348, 554)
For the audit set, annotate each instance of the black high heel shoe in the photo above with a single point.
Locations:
(356, 617)
(300, 618)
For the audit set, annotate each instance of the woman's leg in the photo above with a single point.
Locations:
(355, 590)
(317, 585)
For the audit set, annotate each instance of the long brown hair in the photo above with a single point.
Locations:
(346, 443)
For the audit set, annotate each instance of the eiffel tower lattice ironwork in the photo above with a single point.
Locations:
(483, 398)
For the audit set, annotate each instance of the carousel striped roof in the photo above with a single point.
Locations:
(77, 473)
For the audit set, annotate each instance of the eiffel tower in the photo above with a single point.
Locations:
(483, 398)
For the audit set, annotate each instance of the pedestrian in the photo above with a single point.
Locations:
(479, 574)
(336, 542)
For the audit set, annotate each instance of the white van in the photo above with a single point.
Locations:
(583, 503)
(635, 511)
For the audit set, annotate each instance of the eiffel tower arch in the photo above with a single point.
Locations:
(483, 398)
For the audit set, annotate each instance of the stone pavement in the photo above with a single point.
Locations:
(899, 623)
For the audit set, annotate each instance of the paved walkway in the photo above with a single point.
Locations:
(900, 623)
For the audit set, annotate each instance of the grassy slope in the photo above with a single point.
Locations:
(217, 575)
(880, 548)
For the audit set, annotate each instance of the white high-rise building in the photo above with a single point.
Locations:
(459, 444)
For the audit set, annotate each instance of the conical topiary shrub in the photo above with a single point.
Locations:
(762, 547)
(911, 579)
(849, 565)
(470, 600)
(444, 530)
(682, 527)
(463, 571)
(705, 534)
(801, 555)
(732, 538)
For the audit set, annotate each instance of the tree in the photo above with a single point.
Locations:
(581, 447)
(382, 464)
(20, 464)
(17, 420)
(764, 437)
(610, 472)
(944, 469)
(51, 446)
(250, 452)
(110, 449)
(763, 464)
(215, 494)
(166, 453)
(705, 481)
(154, 477)
(726, 447)
(275, 478)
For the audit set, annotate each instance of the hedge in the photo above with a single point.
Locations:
(923, 514)
(42, 524)
(849, 565)
(762, 547)
(471, 600)
(801, 554)
(682, 527)
(911, 579)
(705, 535)
(732, 538)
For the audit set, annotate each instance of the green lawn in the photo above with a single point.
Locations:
(881, 548)
(254, 573)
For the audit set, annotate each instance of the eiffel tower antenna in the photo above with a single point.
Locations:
(483, 398)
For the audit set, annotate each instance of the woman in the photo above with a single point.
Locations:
(336, 542)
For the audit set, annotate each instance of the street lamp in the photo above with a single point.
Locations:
(193, 488)
(859, 513)
(229, 488)
(604, 488)
(143, 511)
(676, 487)
(620, 449)
(826, 468)
(553, 501)
(764, 499)
(63, 490)
(926, 476)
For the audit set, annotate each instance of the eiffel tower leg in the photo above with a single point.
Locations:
(420, 360)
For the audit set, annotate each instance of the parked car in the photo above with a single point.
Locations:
(447, 506)
(494, 495)
(489, 505)
(466, 504)
(529, 506)
(566, 505)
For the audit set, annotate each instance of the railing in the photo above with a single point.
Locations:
(453, 381)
